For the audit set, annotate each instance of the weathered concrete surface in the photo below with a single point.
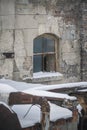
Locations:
(21, 21)
(83, 41)
(6, 41)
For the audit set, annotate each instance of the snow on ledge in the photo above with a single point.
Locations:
(46, 74)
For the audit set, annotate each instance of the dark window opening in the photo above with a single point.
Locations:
(44, 54)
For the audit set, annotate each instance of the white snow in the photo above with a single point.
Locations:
(34, 114)
(48, 94)
(65, 85)
(31, 118)
(44, 75)
(19, 85)
(8, 86)
(33, 89)
(83, 90)
(57, 112)
(4, 88)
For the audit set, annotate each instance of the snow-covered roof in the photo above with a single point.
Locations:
(42, 93)
(5, 90)
(38, 89)
(64, 85)
(83, 90)
(34, 114)
(7, 86)
(20, 86)
(32, 89)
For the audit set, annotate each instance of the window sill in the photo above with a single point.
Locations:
(45, 77)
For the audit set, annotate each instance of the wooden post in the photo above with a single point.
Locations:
(45, 114)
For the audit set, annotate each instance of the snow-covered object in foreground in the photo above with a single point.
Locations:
(8, 119)
(29, 89)
(34, 114)
(20, 86)
(5, 90)
(42, 93)
(6, 106)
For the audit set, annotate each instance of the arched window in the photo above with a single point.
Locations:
(44, 57)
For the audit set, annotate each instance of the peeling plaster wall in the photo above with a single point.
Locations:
(7, 22)
(23, 20)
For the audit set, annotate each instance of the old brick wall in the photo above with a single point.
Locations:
(21, 21)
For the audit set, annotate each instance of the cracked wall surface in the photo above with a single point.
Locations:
(21, 21)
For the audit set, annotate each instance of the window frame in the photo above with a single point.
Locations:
(56, 50)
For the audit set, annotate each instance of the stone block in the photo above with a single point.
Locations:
(70, 46)
(71, 58)
(24, 65)
(16, 76)
(29, 35)
(6, 41)
(25, 22)
(7, 7)
(27, 63)
(27, 7)
(41, 18)
(8, 22)
(0, 22)
(19, 62)
(22, 1)
(29, 48)
(24, 39)
(19, 47)
(49, 25)
(42, 10)
(7, 68)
